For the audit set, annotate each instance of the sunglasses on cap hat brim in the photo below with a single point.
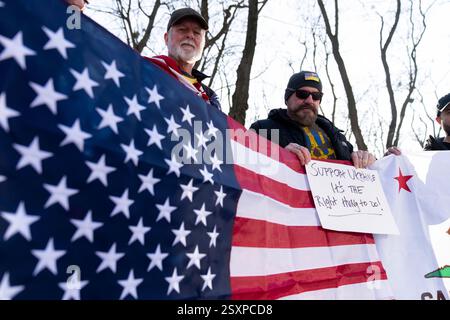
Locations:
(304, 94)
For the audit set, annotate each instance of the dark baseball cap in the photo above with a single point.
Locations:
(443, 103)
(302, 79)
(179, 14)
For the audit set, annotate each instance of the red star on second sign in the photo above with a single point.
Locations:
(402, 181)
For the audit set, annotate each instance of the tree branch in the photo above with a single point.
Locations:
(150, 23)
(351, 103)
(383, 48)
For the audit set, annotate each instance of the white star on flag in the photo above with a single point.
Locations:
(165, 210)
(57, 41)
(188, 190)
(220, 196)
(139, 232)
(14, 48)
(6, 113)
(31, 155)
(72, 292)
(172, 126)
(156, 258)
(130, 285)
(201, 140)
(7, 292)
(2, 4)
(174, 281)
(112, 72)
(131, 153)
(207, 176)
(109, 119)
(59, 194)
(134, 107)
(180, 235)
(2, 178)
(155, 137)
(99, 171)
(213, 235)
(208, 278)
(216, 162)
(109, 259)
(191, 152)
(19, 222)
(148, 182)
(212, 130)
(85, 228)
(84, 82)
(202, 214)
(46, 95)
(47, 258)
(74, 135)
(194, 258)
(174, 166)
(187, 115)
(122, 203)
(154, 96)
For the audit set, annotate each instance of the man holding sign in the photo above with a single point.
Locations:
(303, 131)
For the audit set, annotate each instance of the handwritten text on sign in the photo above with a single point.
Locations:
(349, 199)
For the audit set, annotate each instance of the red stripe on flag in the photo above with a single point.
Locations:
(286, 284)
(253, 141)
(276, 190)
(262, 234)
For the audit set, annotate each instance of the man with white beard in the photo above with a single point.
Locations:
(185, 40)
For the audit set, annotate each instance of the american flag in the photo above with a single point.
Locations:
(116, 182)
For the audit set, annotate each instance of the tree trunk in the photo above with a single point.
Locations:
(413, 65)
(352, 111)
(150, 24)
(390, 89)
(240, 97)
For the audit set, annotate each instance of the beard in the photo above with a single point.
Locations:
(186, 51)
(446, 128)
(304, 114)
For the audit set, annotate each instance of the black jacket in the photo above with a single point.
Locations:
(435, 144)
(290, 131)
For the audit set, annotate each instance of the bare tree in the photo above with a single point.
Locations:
(420, 138)
(127, 12)
(383, 49)
(239, 105)
(314, 31)
(351, 103)
(421, 128)
(137, 19)
(398, 112)
(305, 55)
(316, 39)
(413, 68)
(217, 41)
(332, 85)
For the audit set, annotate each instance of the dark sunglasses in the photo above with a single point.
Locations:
(303, 94)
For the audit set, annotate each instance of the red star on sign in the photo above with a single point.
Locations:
(402, 181)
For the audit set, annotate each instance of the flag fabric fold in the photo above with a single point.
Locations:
(116, 182)
(416, 186)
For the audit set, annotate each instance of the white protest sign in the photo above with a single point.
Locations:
(349, 199)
